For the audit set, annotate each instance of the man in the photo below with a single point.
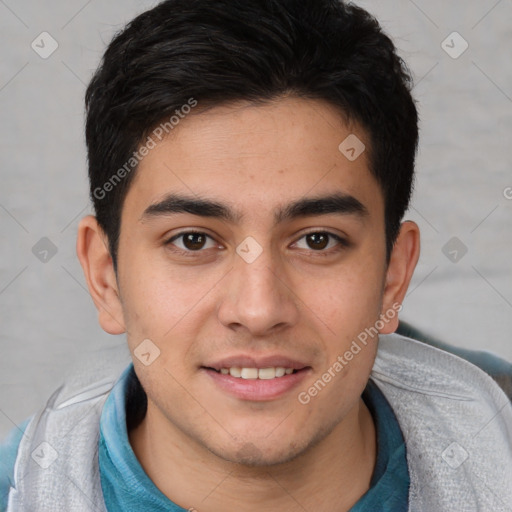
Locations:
(250, 165)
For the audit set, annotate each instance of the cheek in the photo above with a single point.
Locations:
(170, 309)
(348, 300)
(348, 306)
(155, 297)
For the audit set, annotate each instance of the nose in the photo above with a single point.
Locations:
(258, 297)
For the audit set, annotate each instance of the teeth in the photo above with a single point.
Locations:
(255, 373)
(235, 372)
(267, 373)
(249, 373)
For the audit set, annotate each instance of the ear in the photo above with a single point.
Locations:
(404, 257)
(93, 253)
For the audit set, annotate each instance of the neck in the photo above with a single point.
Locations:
(330, 476)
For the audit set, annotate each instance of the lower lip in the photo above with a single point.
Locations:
(257, 389)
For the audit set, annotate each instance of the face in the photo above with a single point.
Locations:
(250, 245)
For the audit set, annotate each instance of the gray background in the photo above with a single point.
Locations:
(49, 323)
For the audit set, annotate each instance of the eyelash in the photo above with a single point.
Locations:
(342, 243)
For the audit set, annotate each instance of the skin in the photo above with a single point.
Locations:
(201, 446)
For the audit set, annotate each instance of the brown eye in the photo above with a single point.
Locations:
(191, 241)
(322, 242)
(194, 241)
(317, 241)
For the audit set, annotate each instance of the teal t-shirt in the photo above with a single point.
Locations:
(127, 487)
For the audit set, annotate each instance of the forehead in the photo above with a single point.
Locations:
(259, 157)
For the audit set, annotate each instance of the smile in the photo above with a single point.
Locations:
(256, 373)
(249, 383)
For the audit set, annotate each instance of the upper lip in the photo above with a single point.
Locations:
(248, 361)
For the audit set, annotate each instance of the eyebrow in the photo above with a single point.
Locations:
(338, 203)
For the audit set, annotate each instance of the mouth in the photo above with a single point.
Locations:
(256, 373)
(249, 380)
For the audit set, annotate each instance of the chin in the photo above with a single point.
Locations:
(250, 455)
(260, 453)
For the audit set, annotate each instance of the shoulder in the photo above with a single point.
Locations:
(8, 453)
(456, 422)
(68, 426)
(420, 367)
(443, 391)
(497, 368)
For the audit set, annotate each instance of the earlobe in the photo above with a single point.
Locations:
(403, 260)
(92, 251)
